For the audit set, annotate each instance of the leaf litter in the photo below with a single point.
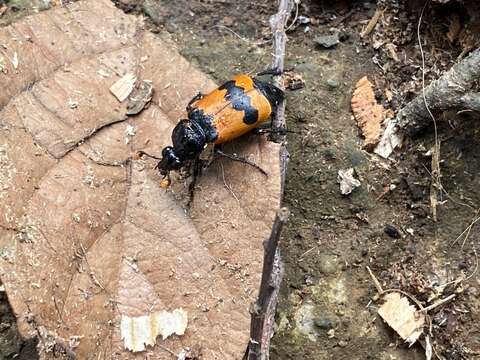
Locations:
(88, 237)
(348, 182)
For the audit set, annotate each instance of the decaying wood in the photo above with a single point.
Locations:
(454, 90)
(263, 312)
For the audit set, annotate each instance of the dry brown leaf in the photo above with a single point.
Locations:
(402, 317)
(87, 236)
(368, 113)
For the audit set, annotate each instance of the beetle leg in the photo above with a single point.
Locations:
(195, 98)
(195, 175)
(273, 71)
(235, 157)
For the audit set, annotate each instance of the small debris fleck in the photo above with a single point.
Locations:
(129, 132)
(3, 67)
(333, 83)
(392, 231)
(15, 60)
(347, 181)
(328, 41)
(72, 104)
(293, 81)
(140, 98)
(323, 323)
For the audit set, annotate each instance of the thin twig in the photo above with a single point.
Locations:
(295, 18)
(467, 230)
(476, 264)
(444, 191)
(278, 23)
(375, 282)
(436, 184)
(438, 303)
(232, 32)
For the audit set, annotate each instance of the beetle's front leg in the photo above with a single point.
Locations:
(274, 72)
(197, 97)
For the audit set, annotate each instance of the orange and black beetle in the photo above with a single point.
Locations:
(226, 113)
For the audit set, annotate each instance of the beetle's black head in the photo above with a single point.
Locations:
(170, 161)
(188, 140)
(273, 94)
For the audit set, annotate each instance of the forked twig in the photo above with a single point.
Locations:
(263, 311)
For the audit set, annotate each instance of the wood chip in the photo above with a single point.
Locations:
(371, 24)
(390, 140)
(402, 317)
(141, 331)
(123, 86)
(368, 114)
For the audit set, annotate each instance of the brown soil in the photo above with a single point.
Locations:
(328, 304)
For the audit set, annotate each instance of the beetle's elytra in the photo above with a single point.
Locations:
(224, 114)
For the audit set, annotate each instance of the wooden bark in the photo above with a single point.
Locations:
(453, 90)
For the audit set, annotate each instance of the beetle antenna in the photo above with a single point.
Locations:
(141, 153)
